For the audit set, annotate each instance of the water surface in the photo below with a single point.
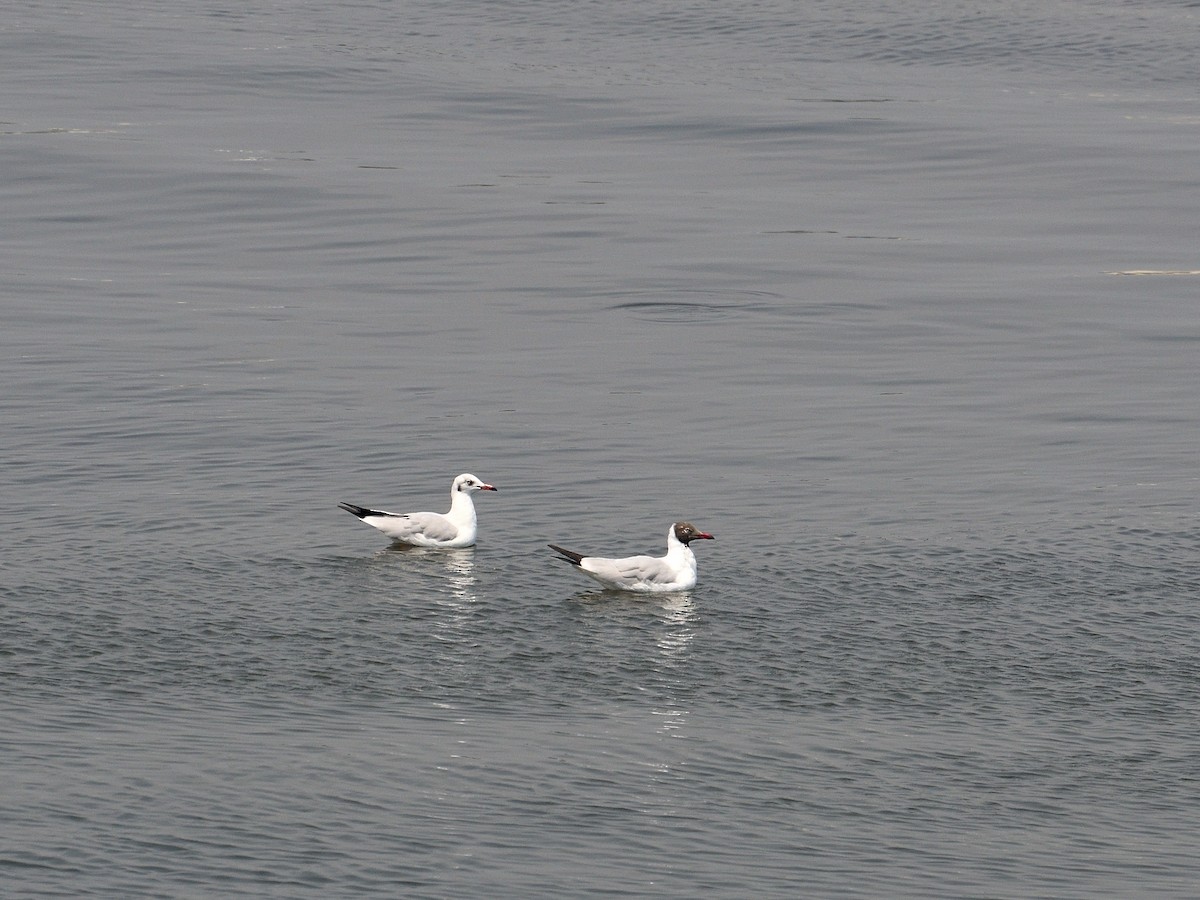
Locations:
(842, 285)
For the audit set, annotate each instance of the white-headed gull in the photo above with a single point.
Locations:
(426, 529)
(674, 572)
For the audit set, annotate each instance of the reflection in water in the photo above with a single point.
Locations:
(670, 621)
(460, 572)
(441, 579)
(676, 633)
(455, 596)
(451, 571)
(674, 637)
(674, 616)
(438, 587)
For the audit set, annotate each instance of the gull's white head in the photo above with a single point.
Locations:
(468, 484)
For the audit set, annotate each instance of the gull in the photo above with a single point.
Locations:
(427, 529)
(656, 574)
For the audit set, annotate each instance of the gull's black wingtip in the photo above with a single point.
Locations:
(569, 555)
(360, 511)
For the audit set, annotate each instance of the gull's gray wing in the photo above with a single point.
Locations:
(432, 526)
(631, 571)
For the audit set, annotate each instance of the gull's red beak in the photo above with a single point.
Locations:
(488, 487)
(705, 536)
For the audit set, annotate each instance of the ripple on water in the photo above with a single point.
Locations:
(695, 307)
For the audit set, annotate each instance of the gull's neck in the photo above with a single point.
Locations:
(462, 510)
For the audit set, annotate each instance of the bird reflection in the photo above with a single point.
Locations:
(674, 626)
(448, 572)
(460, 572)
(677, 632)
(674, 637)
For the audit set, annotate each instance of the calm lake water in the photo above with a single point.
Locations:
(898, 300)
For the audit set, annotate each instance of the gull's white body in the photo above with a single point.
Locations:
(451, 530)
(648, 574)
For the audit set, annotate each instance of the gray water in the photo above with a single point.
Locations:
(898, 300)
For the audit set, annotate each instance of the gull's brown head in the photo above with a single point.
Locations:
(686, 532)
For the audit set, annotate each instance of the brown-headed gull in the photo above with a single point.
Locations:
(674, 572)
(426, 529)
